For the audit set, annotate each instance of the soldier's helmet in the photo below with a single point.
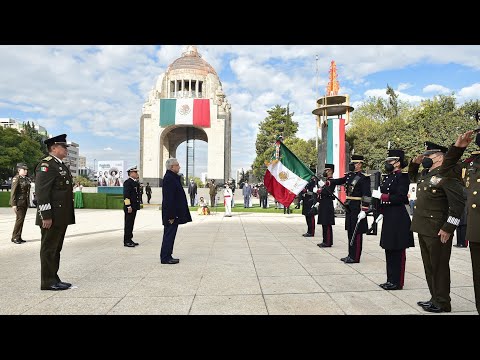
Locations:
(357, 158)
(330, 166)
(432, 148)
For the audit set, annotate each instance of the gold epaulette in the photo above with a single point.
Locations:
(127, 201)
(366, 174)
(48, 158)
(476, 152)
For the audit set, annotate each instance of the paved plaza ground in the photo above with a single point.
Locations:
(248, 264)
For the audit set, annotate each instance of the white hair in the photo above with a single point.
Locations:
(170, 162)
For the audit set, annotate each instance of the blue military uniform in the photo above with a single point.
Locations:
(131, 200)
(326, 212)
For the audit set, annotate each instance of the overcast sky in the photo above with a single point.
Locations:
(95, 93)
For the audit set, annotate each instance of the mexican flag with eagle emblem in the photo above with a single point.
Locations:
(286, 175)
(185, 112)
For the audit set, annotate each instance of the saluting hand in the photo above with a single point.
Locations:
(444, 236)
(47, 224)
(464, 139)
(418, 159)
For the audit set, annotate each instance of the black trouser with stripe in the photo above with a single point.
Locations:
(461, 235)
(355, 250)
(396, 266)
(475, 255)
(327, 235)
(310, 224)
(436, 258)
(129, 222)
(50, 247)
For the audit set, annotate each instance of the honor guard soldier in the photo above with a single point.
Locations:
(469, 171)
(19, 199)
(326, 212)
(357, 186)
(55, 210)
(131, 203)
(309, 198)
(438, 209)
(396, 235)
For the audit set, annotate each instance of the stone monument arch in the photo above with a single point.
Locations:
(186, 104)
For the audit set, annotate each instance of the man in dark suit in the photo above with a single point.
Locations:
(131, 204)
(174, 209)
(357, 186)
(55, 210)
(19, 200)
(326, 212)
(438, 210)
(192, 192)
(148, 191)
(396, 235)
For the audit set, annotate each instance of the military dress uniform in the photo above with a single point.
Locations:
(326, 212)
(131, 199)
(20, 197)
(357, 186)
(439, 205)
(309, 198)
(396, 235)
(469, 171)
(54, 191)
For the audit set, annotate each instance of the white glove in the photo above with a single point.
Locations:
(316, 205)
(362, 215)
(379, 218)
(321, 183)
(377, 194)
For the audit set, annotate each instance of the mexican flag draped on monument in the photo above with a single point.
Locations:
(286, 175)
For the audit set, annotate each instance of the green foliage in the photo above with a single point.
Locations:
(407, 127)
(84, 181)
(30, 131)
(17, 147)
(305, 150)
(4, 198)
(278, 122)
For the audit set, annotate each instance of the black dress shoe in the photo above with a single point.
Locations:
(323, 245)
(134, 243)
(344, 258)
(390, 286)
(130, 244)
(56, 287)
(171, 261)
(65, 283)
(424, 303)
(349, 260)
(307, 235)
(384, 284)
(433, 308)
(17, 241)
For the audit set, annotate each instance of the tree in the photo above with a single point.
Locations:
(278, 122)
(83, 181)
(197, 181)
(30, 131)
(392, 102)
(15, 148)
(305, 150)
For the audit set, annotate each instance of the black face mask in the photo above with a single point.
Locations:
(477, 139)
(351, 167)
(427, 163)
(388, 167)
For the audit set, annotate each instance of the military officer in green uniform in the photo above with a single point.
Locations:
(19, 198)
(438, 209)
(55, 210)
(469, 171)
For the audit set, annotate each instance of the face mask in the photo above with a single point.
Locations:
(351, 167)
(427, 163)
(477, 139)
(388, 167)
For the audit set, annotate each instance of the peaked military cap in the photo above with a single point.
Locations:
(432, 148)
(22, 166)
(397, 154)
(330, 166)
(132, 168)
(59, 139)
(357, 158)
